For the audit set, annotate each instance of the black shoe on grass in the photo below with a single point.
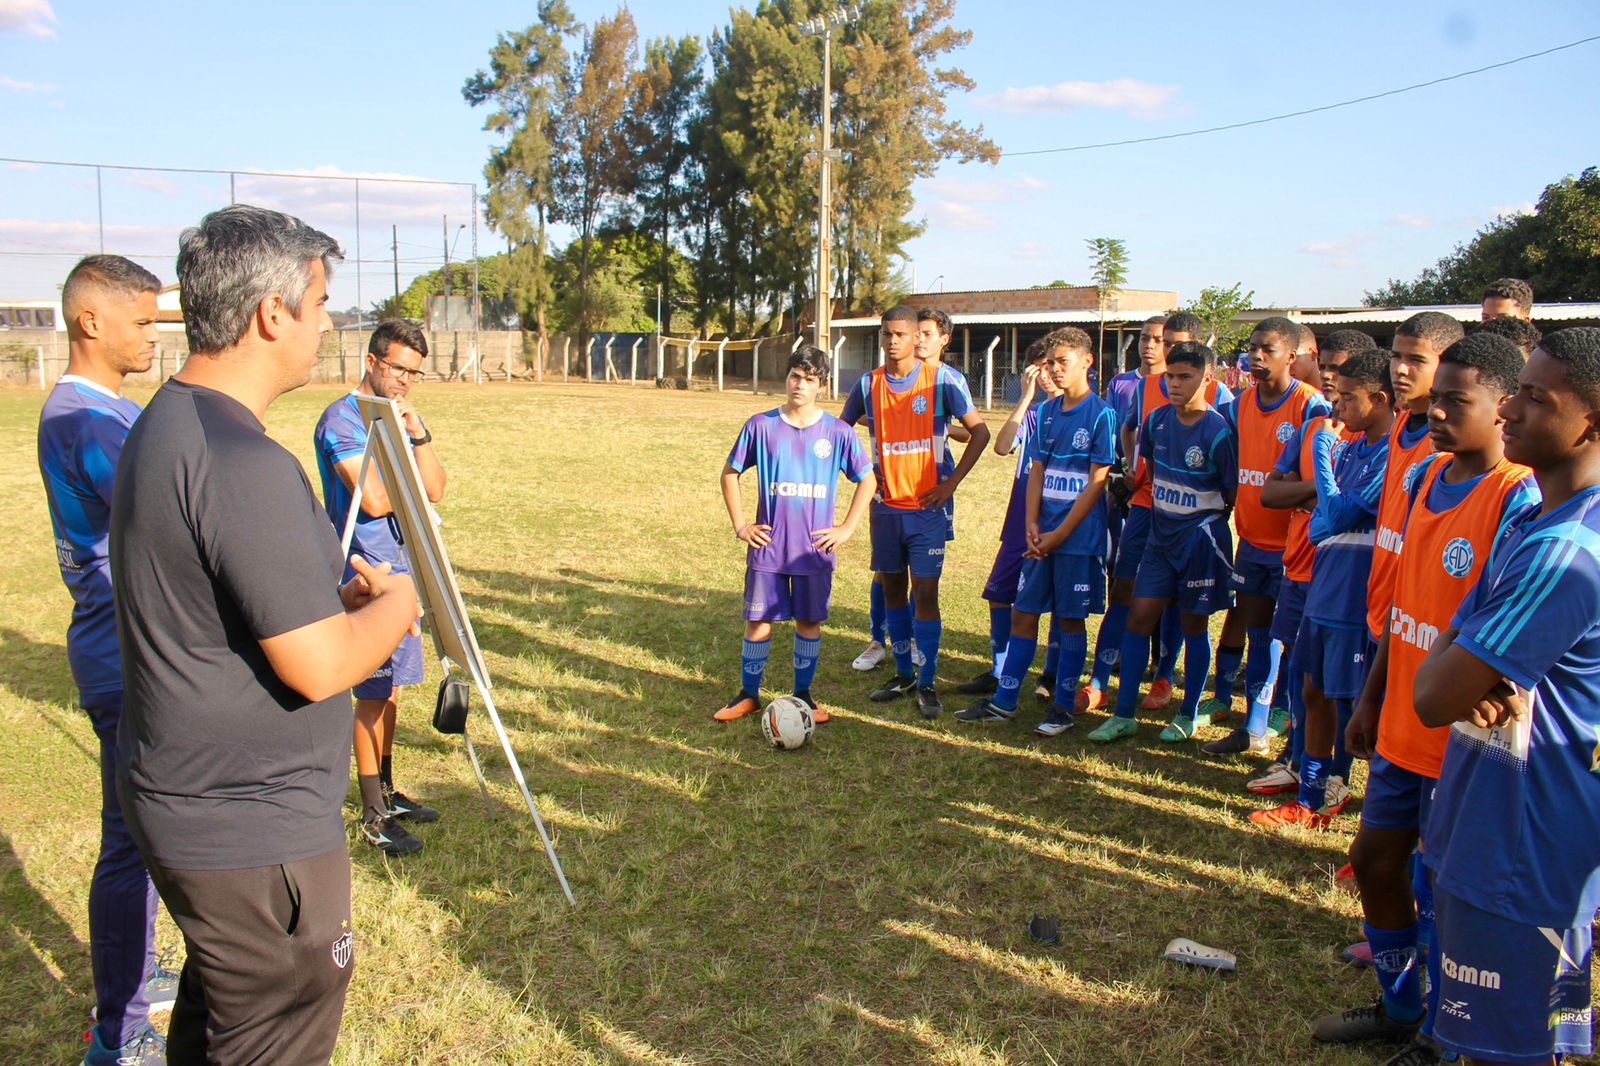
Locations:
(403, 808)
(984, 711)
(928, 702)
(980, 685)
(1360, 1024)
(899, 685)
(390, 837)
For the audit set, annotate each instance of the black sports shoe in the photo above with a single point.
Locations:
(1358, 1024)
(1238, 742)
(1422, 1051)
(981, 684)
(928, 702)
(899, 685)
(1055, 723)
(389, 837)
(984, 711)
(404, 808)
(1046, 688)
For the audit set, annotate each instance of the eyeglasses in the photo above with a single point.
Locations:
(402, 372)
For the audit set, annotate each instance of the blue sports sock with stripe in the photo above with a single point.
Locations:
(928, 634)
(1196, 661)
(878, 613)
(1171, 643)
(1019, 660)
(1394, 960)
(1226, 666)
(1313, 781)
(898, 620)
(1427, 936)
(1296, 747)
(1108, 645)
(753, 666)
(806, 651)
(1260, 675)
(1052, 650)
(1074, 652)
(1342, 758)
(1135, 652)
(999, 635)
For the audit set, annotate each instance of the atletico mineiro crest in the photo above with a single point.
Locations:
(343, 949)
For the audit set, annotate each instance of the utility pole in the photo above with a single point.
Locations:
(447, 267)
(394, 248)
(823, 26)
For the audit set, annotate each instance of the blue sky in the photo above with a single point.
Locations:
(1308, 211)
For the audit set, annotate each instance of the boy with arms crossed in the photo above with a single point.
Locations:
(1512, 839)
(799, 451)
(1457, 506)
(1064, 572)
(1193, 464)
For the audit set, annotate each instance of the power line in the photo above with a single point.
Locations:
(1309, 110)
(232, 173)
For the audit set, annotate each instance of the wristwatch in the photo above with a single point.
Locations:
(426, 438)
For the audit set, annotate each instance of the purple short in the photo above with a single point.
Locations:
(404, 667)
(1002, 585)
(772, 597)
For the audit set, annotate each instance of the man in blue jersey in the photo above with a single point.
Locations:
(1064, 571)
(907, 405)
(1331, 648)
(393, 364)
(798, 451)
(1513, 838)
(110, 307)
(1194, 468)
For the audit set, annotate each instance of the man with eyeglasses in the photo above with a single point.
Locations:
(393, 364)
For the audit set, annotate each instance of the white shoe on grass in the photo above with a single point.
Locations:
(871, 658)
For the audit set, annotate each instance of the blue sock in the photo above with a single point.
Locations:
(1171, 643)
(1260, 675)
(898, 620)
(1280, 689)
(1052, 650)
(1108, 645)
(1341, 758)
(1427, 936)
(1226, 666)
(999, 635)
(1074, 651)
(1019, 660)
(1394, 959)
(1135, 653)
(753, 666)
(1196, 661)
(806, 650)
(928, 634)
(1296, 746)
(878, 613)
(1313, 781)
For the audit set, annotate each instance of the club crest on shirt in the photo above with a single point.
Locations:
(343, 949)
(1080, 439)
(822, 448)
(919, 404)
(1411, 477)
(1284, 432)
(1458, 557)
(1194, 457)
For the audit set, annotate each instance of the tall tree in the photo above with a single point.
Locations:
(529, 84)
(591, 157)
(1108, 271)
(1217, 308)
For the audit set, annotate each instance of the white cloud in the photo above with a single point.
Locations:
(32, 87)
(23, 166)
(80, 237)
(1140, 98)
(1029, 250)
(948, 214)
(31, 18)
(1413, 221)
(153, 182)
(1344, 254)
(975, 192)
(1524, 208)
(312, 196)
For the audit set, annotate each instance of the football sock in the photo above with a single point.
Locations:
(898, 620)
(1313, 781)
(1280, 688)
(1260, 675)
(999, 635)
(1074, 651)
(753, 666)
(1108, 645)
(1227, 665)
(806, 650)
(1135, 654)
(1019, 660)
(1171, 643)
(1296, 746)
(1052, 650)
(1341, 758)
(928, 634)
(1196, 661)
(372, 804)
(878, 614)
(1394, 959)
(1427, 936)
(386, 772)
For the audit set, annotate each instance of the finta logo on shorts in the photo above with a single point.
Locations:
(799, 489)
(1408, 629)
(1253, 478)
(906, 447)
(1470, 975)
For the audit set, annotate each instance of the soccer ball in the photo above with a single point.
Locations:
(787, 722)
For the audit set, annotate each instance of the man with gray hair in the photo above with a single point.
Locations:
(239, 648)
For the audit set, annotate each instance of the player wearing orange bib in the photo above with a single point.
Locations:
(1455, 508)
(1265, 417)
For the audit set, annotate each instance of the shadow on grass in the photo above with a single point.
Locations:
(46, 967)
(36, 672)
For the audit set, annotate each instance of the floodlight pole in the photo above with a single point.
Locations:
(823, 26)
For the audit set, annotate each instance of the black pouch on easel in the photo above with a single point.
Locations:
(450, 711)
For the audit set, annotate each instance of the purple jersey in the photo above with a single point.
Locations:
(1014, 529)
(797, 476)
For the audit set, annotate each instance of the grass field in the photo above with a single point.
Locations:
(862, 900)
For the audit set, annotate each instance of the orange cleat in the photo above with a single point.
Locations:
(819, 713)
(738, 707)
(1089, 698)
(1292, 813)
(1159, 696)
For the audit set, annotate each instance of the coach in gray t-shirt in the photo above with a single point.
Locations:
(238, 652)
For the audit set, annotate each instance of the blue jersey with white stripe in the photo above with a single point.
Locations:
(1071, 441)
(1515, 828)
(81, 431)
(341, 434)
(1343, 524)
(1194, 473)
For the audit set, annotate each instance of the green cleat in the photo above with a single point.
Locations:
(1213, 711)
(1278, 721)
(1113, 729)
(1178, 730)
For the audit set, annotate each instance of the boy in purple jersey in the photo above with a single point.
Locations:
(799, 451)
(110, 307)
(1513, 837)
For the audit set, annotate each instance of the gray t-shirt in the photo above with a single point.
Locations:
(217, 542)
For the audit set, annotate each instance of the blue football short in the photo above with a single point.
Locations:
(1063, 586)
(914, 539)
(1002, 584)
(785, 597)
(1291, 607)
(1194, 576)
(1256, 572)
(1130, 544)
(404, 667)
(1335, 658)
(1396, 798)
